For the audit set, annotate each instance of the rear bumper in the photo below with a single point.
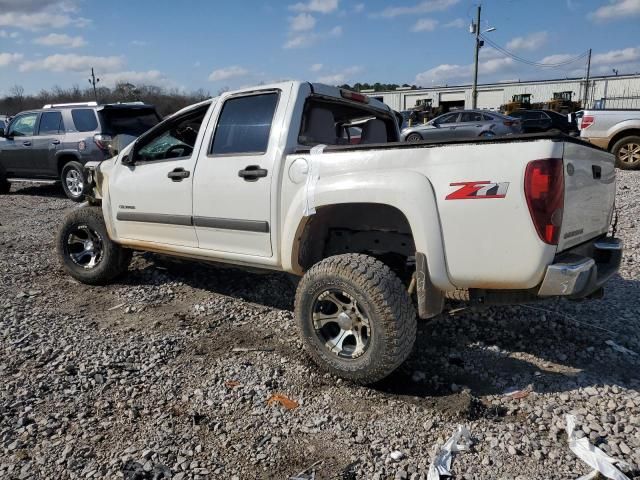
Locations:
(583, 270)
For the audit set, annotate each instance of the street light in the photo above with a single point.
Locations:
(475, 29)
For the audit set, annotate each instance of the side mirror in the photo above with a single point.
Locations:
(128, 160)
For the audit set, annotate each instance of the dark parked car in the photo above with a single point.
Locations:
(52, 144)
(545, 120)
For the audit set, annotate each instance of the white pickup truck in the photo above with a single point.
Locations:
(311, 180)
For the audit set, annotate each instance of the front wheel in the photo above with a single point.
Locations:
(627, 152)
(414, 137)
(355, 317)
(73, 181)
(85, 249)
(4, 186)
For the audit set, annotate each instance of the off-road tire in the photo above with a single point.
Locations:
(4, 186)
(77, 166)
(414, 137)
(390, 311)
(114, 260)
(634, 165)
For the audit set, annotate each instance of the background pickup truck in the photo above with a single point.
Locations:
(617, 131)
(312, 180)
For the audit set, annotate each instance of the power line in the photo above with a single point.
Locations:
(531, 62)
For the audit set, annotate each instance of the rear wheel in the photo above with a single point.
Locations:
(627, 152)
(85, 249)
(414, 137)
(355, 317)
(73, 181)
(4, 186)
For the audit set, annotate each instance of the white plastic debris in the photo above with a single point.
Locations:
(441, 465)
(592, 455)
(620, 348)
(396, 455)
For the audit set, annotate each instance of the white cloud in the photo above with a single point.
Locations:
(154, 77)
(302, 22)
(530, 42)
(61, 40)
(316, 67)
(139, 43)
(5, 34)
(310, 38)
(318, 6)
(358, 7)
(616, 9)
(9, 58)
(227, 72)
(616, 57)
(557, 58)
(457, 23)
(447, 73)
(340, 77)
(425, 25)
(75, 63)
(39, 14)
(426, 6)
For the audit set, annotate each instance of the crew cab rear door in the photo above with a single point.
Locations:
(232, 189)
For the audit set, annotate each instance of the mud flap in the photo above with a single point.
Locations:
(430, 298)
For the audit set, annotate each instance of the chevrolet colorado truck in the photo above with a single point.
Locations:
(313, 180)
(617, 131)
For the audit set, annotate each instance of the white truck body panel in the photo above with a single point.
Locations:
(484, 243)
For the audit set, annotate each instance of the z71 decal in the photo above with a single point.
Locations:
(477, 190)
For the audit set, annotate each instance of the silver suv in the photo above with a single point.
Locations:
(52, 144)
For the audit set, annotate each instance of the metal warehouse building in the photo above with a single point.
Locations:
(622, 91)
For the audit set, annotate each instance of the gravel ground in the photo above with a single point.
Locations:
(139, 380)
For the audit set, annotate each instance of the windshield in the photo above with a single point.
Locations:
(129, 121)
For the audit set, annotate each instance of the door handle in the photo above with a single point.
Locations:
(597, 172)
(178, 174)
(252, 173)
(55, 142)
(26, 143)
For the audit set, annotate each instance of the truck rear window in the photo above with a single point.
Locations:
(133, 121)
(84, 119)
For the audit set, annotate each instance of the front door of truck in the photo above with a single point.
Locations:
(232, 191)
(150, 200)
(17, 150)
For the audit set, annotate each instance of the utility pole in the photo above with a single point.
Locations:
(586, 87)
(474, 90)
(93, 81)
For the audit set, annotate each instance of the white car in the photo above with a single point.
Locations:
(271, 177)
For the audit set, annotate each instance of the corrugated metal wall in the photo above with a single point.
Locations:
(618, 92)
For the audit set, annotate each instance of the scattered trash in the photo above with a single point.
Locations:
(592, 455)
(517, 394)
(303, 475)
(396, 455)
(254, 349)
(441, 465)
(115, 307)
(620, 348)
(283, 400)
(232, 384)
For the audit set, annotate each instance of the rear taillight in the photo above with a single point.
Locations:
(587, 121)
(544, 190)
(102, 141)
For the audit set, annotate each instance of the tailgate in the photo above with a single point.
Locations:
(589, 194)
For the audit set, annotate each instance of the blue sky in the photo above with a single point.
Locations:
(214, 45)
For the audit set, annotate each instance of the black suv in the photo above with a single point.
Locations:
(52, 144)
